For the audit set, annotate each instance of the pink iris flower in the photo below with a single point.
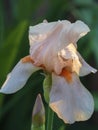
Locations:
(53, 48)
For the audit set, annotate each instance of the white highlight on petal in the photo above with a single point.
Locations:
(18, 77)
(71, 101)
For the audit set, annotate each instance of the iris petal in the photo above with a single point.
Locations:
(71, 101)
(18, 77)
(85, 68)
(78, 30)
(41, 31)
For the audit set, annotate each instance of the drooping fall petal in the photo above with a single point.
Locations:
(71, 101)
(18, 77)
(86, 68)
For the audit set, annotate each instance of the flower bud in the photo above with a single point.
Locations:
(38, 115)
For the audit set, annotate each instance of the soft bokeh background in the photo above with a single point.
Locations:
(15, 18)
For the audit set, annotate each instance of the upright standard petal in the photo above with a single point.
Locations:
(43, 52)
(78, 30)
(71, 101)
(18, 77)
(45, 44)
(41, 31)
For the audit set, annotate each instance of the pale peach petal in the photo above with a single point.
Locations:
(86, 68)
(78, 30)
(45, 52)
(18, 77)
(41, 31)
(71, 101)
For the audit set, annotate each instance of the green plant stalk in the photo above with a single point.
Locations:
(50, 119)
(47, 87)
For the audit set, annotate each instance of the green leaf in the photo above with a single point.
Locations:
(95, 95)
(94, 41)
(1, 23)
(83, 2)
(10, 49)
(62, 128)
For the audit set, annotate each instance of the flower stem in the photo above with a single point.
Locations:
(50, 119)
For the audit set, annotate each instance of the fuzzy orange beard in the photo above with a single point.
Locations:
(67, 74)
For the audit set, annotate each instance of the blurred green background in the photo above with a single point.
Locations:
(15, 18)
